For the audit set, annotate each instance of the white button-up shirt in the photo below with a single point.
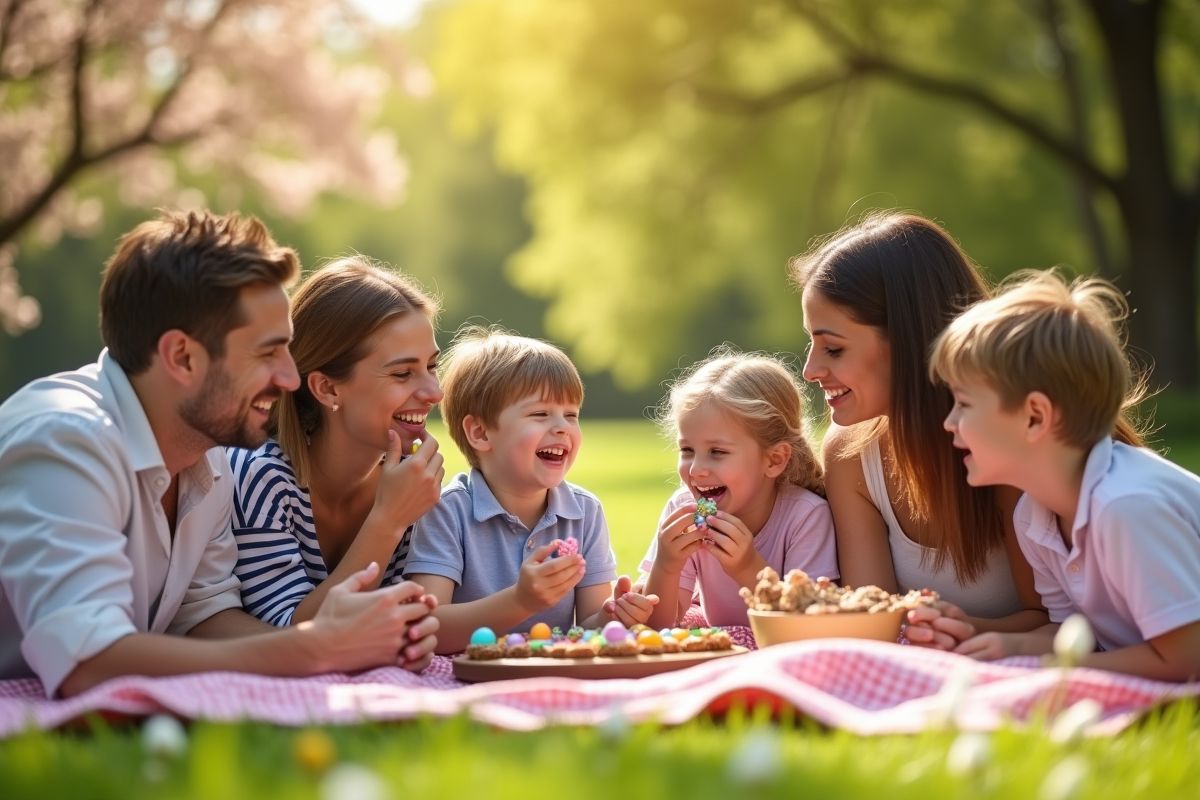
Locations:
(1133, 568)
(86, 554)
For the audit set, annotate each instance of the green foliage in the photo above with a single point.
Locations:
(670, 182)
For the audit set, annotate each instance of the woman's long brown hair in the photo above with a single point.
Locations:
(904, 275)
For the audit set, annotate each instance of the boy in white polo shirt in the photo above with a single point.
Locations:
(1039, 378)
(487, 549)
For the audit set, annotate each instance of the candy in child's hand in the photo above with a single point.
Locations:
(416, 444)
(567, 547)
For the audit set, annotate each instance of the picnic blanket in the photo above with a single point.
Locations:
(864, 687)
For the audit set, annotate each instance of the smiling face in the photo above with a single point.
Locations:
(231, 406)
(993, 438)
(849, 360)
(533, 444)
(392, 387)
(720, 460)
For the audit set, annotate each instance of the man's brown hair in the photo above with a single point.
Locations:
(488, 370)
(185, 270)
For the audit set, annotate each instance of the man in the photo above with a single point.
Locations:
(115, 497)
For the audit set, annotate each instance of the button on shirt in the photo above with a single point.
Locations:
(1133, 568)
(469, 538)
(86, 554)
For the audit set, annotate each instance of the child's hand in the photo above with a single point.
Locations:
(942, 628)
(989, 646)
(544, 580)
(732, 544)
(627, 606)
(675, 546)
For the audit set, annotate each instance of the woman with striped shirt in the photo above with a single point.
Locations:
(330, 492)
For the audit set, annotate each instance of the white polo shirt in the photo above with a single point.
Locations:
(86, 555)
(1134, 566)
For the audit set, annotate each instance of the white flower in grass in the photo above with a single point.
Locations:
(615, 726)
(757, 759)
(1074, 640)
(352, 782)
(1064, 781)
(1071, 724)
(969, 753)
(164, 737)
(949, 698)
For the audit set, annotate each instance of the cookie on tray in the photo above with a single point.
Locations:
(627, 647)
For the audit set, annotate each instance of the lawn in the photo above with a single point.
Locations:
(631, 469)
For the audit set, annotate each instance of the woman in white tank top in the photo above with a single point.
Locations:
(875, 296)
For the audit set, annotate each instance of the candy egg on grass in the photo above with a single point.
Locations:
(540, 631)
(614, 632)
(649, 638)
(483, 636)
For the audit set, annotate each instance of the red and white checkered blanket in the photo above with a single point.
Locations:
(864, 687)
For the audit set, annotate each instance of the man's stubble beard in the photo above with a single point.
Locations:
(217, 414)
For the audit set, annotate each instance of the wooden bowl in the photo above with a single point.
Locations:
(777, 627)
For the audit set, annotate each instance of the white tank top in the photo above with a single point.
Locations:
(992, 596)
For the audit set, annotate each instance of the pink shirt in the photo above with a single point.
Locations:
(1134, 565)
(798, 535)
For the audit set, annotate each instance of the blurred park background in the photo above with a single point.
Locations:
(627, 179)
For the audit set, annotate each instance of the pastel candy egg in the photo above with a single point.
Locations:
(515, 639)
(614, 632)
(483, 636)
(540, 631)
(665, 633)
(649, 638)
(639, 628)
(679, 634)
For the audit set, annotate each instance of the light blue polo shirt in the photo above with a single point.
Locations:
(470, 539)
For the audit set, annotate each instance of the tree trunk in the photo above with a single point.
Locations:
(1160, 218)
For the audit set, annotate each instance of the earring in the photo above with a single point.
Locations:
(335, 406)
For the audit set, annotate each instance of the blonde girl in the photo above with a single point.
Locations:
(739, 423)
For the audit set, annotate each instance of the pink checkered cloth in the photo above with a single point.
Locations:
(864, 687)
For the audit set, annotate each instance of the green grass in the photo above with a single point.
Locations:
(632, 470)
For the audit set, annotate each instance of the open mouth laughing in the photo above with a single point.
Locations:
(555, 456)
(412, 420)
(714, 493)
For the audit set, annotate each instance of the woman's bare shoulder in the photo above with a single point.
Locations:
(842, 446)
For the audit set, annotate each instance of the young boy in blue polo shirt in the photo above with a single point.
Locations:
(487, 550)
(1112, 531)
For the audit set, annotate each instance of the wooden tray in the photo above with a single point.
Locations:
(504, 669)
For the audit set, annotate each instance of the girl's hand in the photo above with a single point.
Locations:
(408, 488)
(944, 627)
(732, 544)
(627, 606)
(543, 580)
(675, 546)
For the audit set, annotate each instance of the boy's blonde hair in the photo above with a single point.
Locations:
(1041, 334)
(761, 393)
(488, 369)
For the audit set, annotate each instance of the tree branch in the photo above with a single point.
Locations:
(728, 100)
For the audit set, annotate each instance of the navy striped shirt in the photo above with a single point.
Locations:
(279, 560)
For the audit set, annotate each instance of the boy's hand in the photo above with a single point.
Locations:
(408, 488)
(944, 627)
(675, 546)
(989, 646)
(732, 544)
(544, 581)
(627, 606)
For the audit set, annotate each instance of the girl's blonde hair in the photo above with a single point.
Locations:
(761, 393)
(335, 314)
(1041, 334)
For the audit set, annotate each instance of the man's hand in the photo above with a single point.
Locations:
(543, 580)
(357, 629)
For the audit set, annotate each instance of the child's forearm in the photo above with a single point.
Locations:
(1025, 621)
(499, 611)
(666, 586)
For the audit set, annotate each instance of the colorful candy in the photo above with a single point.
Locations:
(514, 639)
(483, 636)
(679, 634)
(540, 631)
(416, 444)
(567, 547)
(704, 507)
(575, 633)
(649, 638)
(614, 632)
